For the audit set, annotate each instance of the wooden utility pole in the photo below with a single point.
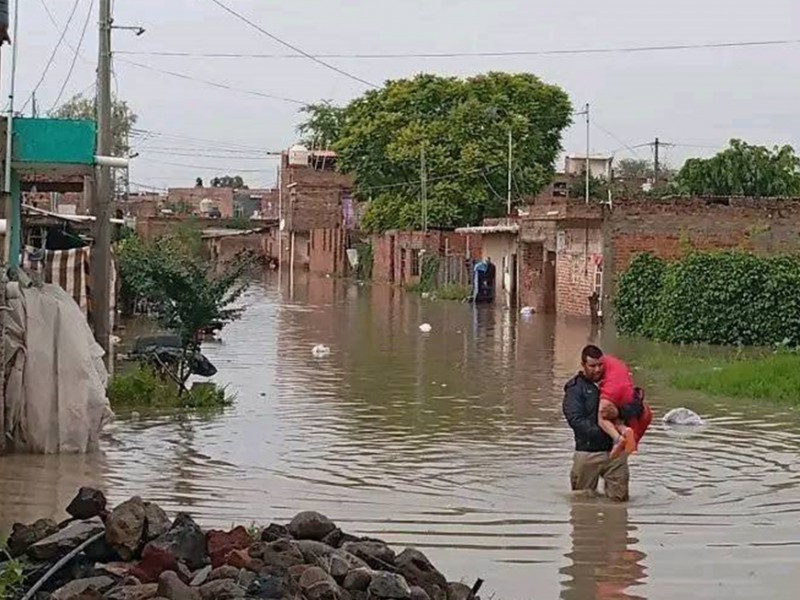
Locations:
(101, 200)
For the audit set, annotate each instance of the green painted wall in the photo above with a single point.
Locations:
(54, 141)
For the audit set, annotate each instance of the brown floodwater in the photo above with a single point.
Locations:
(452, 442)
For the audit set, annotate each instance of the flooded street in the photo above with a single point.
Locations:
(452, 442)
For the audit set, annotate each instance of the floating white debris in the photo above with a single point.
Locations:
(426, 295)
(425, 328)
(683, 417)
(321, 351)
(115, 339)
(527, 311)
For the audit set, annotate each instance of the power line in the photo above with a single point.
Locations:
(58, 28)
(173, 136)
(631, 149)
(75, 55)
(52, 55)
(215, 84)
(292, 46)
(195, 154)
(497, 54)
(201, 167)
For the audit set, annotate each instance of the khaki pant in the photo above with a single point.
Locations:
(589, 467)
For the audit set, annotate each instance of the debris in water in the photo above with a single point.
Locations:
(425, 328)
(527, 311)
(321, 351)
(426, 295)
(683, 417)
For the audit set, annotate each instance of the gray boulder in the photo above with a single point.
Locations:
(125, 528)
(310, 526)
(222, 589)
(376, 554)
(65, 540)
(281, 553)
(185, 541)
(156, 521)
(24, 536)
(419, 571)
(171, 587)
(133, 592)
(389, 586)
(79, 587)
(89, 503)
(358, 580)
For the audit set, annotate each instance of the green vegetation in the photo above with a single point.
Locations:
(461, 126)
(190, 295)
(144, 388)
(754, 374)
(725, 298)
(454, 291)
(12, 575)
(366, 258)
(742, 170)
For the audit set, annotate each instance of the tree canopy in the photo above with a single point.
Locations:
(743, 170)
(462, 126)
(122, 119)
(227, 181)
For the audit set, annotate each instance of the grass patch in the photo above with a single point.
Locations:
(143, 388)
(750, 374)
(775, 378)
(451, 291)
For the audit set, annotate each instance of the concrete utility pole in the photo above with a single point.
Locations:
(423, 172)
(655, 162)
(510, 169)
(101, 201)
(588, 170)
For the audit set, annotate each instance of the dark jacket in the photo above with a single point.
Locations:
(581, 403)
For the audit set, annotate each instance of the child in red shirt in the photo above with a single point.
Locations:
(617, 388)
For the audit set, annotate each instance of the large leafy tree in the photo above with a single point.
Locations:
(743, 170)
(462, 126)
(123, 119)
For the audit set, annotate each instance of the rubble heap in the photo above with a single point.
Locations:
(135, 552)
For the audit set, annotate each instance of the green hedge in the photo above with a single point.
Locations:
(716, 298)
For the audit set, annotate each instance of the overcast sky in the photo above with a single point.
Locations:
(697, 99)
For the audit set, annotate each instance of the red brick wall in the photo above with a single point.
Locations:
(328, 248)
(312, 199)
(668, 228)
(191, 198)
(578, 259)
(531, 274)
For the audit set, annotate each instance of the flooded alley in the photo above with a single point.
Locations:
(452, 442)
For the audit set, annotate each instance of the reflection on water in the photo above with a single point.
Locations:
(453, 442)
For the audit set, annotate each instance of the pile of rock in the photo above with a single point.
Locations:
(135, 552)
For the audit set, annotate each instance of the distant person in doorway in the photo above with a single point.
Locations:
(592, 459)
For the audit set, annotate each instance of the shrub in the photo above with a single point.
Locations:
(144, 388)
(717, 298)
(638, 295)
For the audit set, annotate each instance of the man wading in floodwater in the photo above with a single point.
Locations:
(592, 445)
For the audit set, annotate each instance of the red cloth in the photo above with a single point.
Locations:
(617, 386)
(641, 423)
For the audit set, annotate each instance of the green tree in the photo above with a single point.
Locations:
(323, 125)
(227, 181)
(190, 293)
(123, 119)
(462, 126)
(634, 168)
(743, 170)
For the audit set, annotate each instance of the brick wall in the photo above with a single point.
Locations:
(328, 248)
(668, 228)
(312, 199)
(190, 198)
(154, 227)
(579, 255)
